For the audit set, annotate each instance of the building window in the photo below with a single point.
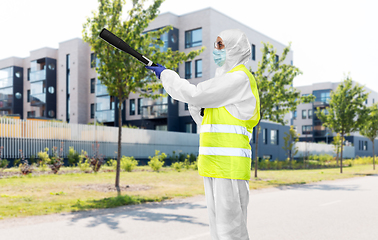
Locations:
(93, 82)
(306, 129)
(291, 62)
(277, 58)
(193, 38)
(295, 114)
(373, 100)
(92, 110)
(268, 157)
(94, 60)
(140, 104)
(310, 113)
(304, 114)
(198, 67)
(188, 70)
(254, 135)
(31, 114)
(29, 74)
(161, 127)
(132, 106)
(265, 136)
(365, 145)
(253, 52)
(274, 137)
(366, 101)
(188, 128)
(28, 95)
(186, 106)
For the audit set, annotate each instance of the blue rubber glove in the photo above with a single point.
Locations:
(157, 70)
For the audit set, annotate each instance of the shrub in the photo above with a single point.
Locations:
(73, 156)
(32, 159)
(83, 163)
(194, 165)
(128, 163)
(56, 160)
(97, 160)
(177, 166)
(3, 162)
(157, 161)
(44, 157)
(187, 162)
(25, 168)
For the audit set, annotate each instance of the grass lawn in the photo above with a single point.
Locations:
(46, 194)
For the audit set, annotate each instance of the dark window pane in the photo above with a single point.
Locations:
(140, 104)
(253, 52)
(188, 70)
(186, 106)
(92, 110)
(93, 81)
(132, 106)
(28, 96)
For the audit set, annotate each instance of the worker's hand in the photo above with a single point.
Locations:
(157, 70)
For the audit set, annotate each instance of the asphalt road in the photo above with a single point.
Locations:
(336, 210)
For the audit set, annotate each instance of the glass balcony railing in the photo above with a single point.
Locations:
(105, 116)
(155, 111)
(38, 75)
(6, 102)
(101, 90)
(6, 82)
(37, 99)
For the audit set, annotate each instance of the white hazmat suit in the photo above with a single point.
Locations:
(227, 199)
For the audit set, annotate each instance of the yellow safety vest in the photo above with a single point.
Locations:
(224, 150)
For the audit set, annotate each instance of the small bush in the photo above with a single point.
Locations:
(73, 157)
(97, 160)
(157, 161)
(3, 162)
(25, 168)
(56, 160)
(128, 163)
(83, 163)
(44, 157)
(177, 166)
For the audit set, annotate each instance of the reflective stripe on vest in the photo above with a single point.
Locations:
(221, 151)
(223, 128)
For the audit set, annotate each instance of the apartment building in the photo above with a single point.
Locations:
(310, 127)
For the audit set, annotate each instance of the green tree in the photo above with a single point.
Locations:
(337, 141)
(346, 112)
(119, 72)
(370, 128)
(290, 139)
(277, 96)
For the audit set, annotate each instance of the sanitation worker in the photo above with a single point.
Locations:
(227, 107)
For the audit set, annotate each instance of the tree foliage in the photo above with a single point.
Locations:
(346, 112)
(119, 72)
(275, 85)
(370, 128)
(290, 139)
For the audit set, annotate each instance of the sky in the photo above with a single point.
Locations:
(330, 38)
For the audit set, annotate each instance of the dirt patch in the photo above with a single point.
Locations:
(111, 188)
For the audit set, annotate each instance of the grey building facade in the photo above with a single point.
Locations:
(311, 129)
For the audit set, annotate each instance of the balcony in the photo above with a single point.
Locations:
(6, 82)
(155, 111)
(37, 99)
(38, 75)
(6, 102)
(105, 116)
(101, 90)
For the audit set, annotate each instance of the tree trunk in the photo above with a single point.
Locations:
(119, 147)
(373, 156)
(337, 154)
(341, 154)
(256, 147)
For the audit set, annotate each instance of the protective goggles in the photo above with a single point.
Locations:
(219, 45)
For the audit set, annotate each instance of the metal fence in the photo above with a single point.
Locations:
(34, 136)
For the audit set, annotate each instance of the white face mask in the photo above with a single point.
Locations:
(219, 57)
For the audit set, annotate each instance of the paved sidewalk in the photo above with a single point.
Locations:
(342, 209)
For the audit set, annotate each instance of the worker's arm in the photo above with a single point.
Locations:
(230, 88)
